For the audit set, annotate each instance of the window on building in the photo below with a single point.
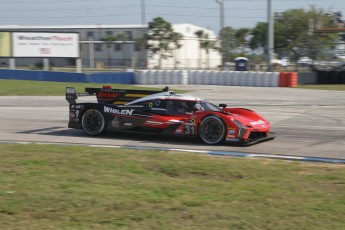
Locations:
(130, 35)
(90, 34)
(98, 47)
(137, 47)
(118, 47)
(109, 33)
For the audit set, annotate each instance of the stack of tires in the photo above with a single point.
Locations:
(288, 79)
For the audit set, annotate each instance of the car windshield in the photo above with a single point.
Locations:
(207, 106)
(183, 107)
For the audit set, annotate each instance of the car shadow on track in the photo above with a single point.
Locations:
(152, 138)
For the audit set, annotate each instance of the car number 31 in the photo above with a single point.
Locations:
(189, 129)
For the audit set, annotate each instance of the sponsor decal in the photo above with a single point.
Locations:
(109, 90)
(77, 106)
(178, 131)
(118, 111)
(259, 122)
(233, 139)
(231, 131)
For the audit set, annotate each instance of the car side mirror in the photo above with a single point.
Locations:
(223, 105)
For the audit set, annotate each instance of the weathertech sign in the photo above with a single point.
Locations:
(45, 44)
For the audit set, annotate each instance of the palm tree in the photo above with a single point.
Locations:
(199, 34)
(176, 38)
(161, 39)
(109, 40)
(241, 36)
(208, 44)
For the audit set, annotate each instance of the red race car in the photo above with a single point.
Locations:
(165, 112)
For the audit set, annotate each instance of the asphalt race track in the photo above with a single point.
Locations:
(309, 123)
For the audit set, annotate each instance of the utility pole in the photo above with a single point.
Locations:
(143, 59)
(221, 13)
(221, 20)
(143, 16)
(270, 35)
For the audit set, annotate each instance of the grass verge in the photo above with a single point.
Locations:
(323, 87)
(45, 88)
(72, 187)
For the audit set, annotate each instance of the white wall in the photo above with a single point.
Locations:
(187, 57)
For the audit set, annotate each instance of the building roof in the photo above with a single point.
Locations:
(95, 26)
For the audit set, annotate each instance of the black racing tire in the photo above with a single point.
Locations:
(212, 130)
(93, 122)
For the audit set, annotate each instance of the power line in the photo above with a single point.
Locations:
(134, 6)
(88, 16)
(117, 15)
(70, 9)
(47, 2)
(205, 16)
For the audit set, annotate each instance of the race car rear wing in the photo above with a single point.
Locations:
(107, 95)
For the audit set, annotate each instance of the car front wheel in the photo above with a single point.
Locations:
(212, 130)
(93, 122)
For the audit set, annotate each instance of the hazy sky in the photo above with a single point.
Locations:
(205, 13)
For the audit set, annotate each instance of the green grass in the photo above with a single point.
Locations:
(44, 88)
(61, 187)
(323, 87)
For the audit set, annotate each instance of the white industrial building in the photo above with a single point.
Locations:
(95, 52)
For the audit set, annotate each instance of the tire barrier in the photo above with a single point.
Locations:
(207, 77)
(167, 77)
(170, 77)
(288, 79)
(330, 77)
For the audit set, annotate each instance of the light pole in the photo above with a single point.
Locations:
(143, 19)
(143, 58)
(221, 20)
(270, 33)
(221, 13)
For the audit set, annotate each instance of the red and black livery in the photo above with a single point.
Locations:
(165, 112)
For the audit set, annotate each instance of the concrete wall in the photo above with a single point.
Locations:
(116, 78)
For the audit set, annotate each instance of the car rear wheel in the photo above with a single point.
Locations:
(93, 122)
(212, 130)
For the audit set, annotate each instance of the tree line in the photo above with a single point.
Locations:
(294, 37)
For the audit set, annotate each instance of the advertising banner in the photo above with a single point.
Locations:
(32, 44)
(5, 44)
